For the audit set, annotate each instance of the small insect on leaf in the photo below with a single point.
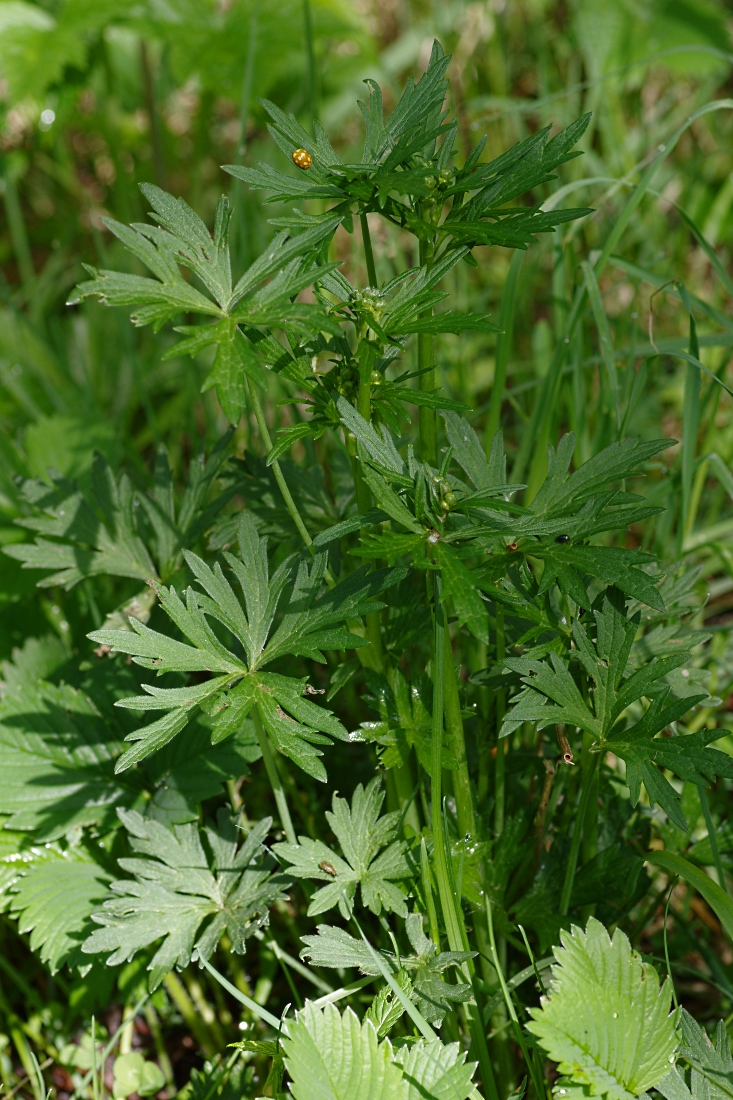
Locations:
(328, 868)
(563, 538)
(302, 158)
(512, 546)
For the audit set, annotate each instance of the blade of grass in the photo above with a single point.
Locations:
(713, 894)
(243, 999)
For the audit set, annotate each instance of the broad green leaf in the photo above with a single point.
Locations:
(687, 755)
(605, 1020)
(95, 536)
(97, 531)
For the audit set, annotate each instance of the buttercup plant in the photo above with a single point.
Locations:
(466, 613)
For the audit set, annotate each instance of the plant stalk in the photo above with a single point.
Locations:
(450, 904)
(517, 1027)
(587, 787)
(18, 234)
(427, 420)
(457, 741)
(499, 792)
(264, 431)
(275, 781)
(310, 60)
(589, 843)
(368, 251)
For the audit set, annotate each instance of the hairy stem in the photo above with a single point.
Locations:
(264, 431)
(589, 843)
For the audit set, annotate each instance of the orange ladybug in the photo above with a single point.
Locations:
(302, 158)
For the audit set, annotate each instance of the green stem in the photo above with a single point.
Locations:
(427, 421)
(450, 905)
(245, 100)
(499, 790)
(290, 504)
(710, 826)
(152, 112)
(405, 791)
(503, 345)
(427, 885)
(204, 1008)
(95, 1079)
(275, 781)
(587, 786)
(457, 741)
(589, 843)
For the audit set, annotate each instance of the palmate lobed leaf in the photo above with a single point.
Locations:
(606, 1020)
(372, 858)
(58, 748)
(262, 297)
(177, 888)
(312, 620)
(551, 695)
